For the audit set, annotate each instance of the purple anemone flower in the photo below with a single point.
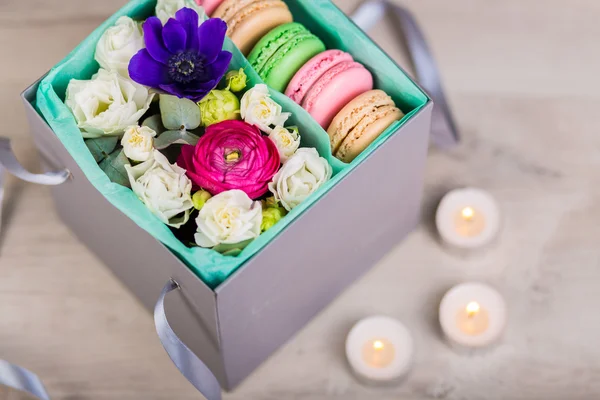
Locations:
(181, 58)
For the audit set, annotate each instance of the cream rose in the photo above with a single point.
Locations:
(166, 9)
(119, 44)
(138, 143)
(258, 108)
(300, 177)
(107, 104)
(287, 141)
(163, 188)
(228, 218)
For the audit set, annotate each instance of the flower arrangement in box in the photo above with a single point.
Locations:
(209, 154)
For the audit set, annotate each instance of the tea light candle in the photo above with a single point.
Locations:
(468, 218)
(473, 315)
(380, 349)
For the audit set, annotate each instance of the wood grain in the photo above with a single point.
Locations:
(522, 77)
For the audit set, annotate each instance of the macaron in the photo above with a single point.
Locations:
(360, 122)
(249, 20)
(327, 82)
(282, 52)
(314, 69)
(209, 5)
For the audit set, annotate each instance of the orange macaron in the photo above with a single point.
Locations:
(249, 20)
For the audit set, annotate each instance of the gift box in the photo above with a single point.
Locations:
(233, 312)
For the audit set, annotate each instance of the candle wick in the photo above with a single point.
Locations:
(468, 213)
(472, 309)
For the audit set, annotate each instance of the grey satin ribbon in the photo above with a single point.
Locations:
(196, 372)
(12, 375)
(443, 129)
(12, 165)
(9, 162)
(22, 379)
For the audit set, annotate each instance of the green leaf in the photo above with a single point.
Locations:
(101, 147)
(114, 167)
(177, 113)
(232, 250)
(175, 137)
(155, 123)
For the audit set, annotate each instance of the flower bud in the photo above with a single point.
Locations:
(271, 216)
(236, 80)
(200, 198)
(218, 106)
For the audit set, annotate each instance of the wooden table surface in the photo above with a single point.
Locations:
(523, 79)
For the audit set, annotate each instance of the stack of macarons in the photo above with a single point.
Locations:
(291, 59)
(336, 90)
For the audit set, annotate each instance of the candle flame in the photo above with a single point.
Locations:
(378, 345)
(473, 308)
(468, 213)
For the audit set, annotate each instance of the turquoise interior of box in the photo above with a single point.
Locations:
(322, 18)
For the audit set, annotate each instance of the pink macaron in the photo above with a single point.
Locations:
(326, 83)
(209, 5)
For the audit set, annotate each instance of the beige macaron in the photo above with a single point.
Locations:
(360, 122)
(249, 20)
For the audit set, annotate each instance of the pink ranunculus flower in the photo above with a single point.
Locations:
(231, 155)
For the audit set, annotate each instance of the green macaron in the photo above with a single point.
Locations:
(282, 52)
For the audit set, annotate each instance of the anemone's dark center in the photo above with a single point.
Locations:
(186, 67)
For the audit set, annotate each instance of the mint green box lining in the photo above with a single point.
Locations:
(319, 16)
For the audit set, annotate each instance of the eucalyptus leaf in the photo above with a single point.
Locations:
(155, 123)
(177, 113)
(169, 138)
(101, 147)
(232, 250)
(114, 167)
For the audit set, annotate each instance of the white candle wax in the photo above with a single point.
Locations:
(468, 218)
(473, 315)
(380, 349)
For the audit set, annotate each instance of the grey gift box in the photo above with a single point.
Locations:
(236, 326)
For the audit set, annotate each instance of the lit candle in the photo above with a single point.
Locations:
(473, 315)
(468, 218)
(380, 349)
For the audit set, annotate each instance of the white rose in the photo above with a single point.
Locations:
(163, 188)
(228, 218)
(166, 9)
(138, 143)
(119, 44)
(300, 177)
(107, 104)
(287, 141)
(257, 108)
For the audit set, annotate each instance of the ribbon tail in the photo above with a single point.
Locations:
(195, 371)
(443, 129)
(19, 378)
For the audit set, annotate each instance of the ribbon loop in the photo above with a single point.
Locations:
(443, 129)
(195, 371)
(12, 165)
